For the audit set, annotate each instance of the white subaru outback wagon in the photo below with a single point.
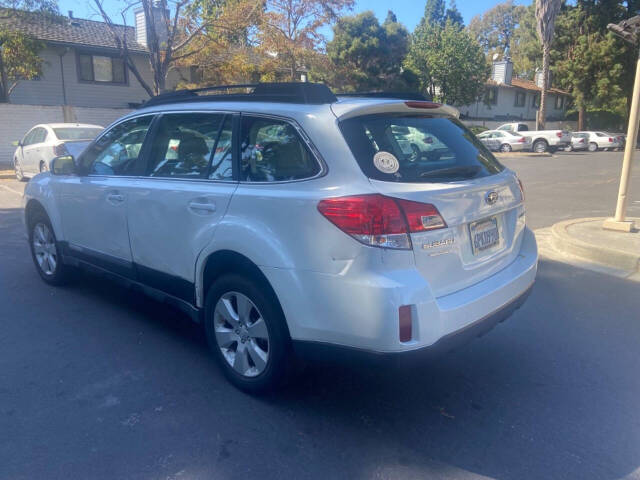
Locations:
(292, 221)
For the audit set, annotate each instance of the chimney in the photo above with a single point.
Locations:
(538, 79)
(502, 70)
(158, 19)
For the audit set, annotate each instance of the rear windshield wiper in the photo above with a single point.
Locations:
(461, 171)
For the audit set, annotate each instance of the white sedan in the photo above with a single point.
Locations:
(601, 140)
(504, 141)
(46, 141)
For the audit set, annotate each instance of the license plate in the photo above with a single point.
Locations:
(484, 234)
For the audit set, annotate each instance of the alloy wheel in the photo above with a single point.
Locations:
(505, 147)
(18, 170)
(241, 334)
(44, 248)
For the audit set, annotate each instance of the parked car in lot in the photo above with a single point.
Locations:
(601, 141)
(541, 140)
(579, 141)
(44, 142)
(503, 141)
(289, 220)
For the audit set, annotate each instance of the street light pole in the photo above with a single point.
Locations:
(627, 30)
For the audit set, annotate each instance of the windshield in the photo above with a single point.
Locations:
(409, 149)
(76, 133)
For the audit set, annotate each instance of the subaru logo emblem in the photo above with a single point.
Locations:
(491, 198)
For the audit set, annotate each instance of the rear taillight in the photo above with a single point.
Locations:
(581, 140)
(60, 150)
(521, 189)
(522, 140)
(381, 221)
(559, 134)
(611, 139)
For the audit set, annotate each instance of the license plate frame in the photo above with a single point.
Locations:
(484, 235)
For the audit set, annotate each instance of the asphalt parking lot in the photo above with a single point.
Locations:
(96, 382)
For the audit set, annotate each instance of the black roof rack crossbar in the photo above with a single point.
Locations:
(390, 95)
(286, 92)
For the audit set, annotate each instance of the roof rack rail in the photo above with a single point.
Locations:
(390, 95)
(285, 92)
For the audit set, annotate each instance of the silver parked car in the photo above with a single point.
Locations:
(44, 142)
(579, 141)
(503, 141)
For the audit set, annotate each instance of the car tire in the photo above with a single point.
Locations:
(593, 147)
(540, 146)
(17, 167)
(46, 252)
(505, 147)
(250, 340)
(568, 148)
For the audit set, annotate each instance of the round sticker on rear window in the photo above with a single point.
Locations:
(386, 162)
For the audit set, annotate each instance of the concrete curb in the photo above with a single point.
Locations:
(521, 154)
(565, 243)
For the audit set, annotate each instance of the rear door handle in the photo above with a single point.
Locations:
(202, 206)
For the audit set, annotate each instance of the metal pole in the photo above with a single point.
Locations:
(618, 222)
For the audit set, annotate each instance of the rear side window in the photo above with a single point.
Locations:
(417, 149)
(77, 133)
(184, 144)
(272, 151)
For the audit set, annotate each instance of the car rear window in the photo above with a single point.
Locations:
(76, 133)
(422, 149)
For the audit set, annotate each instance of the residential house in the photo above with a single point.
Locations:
(511, 99)
(82, 63)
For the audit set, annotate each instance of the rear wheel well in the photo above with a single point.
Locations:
(227, 261)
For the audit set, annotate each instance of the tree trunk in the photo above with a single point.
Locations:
(4, 81)
(546, 50)
(581, 117)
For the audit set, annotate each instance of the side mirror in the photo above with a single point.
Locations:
(64, 165)
(16, 143)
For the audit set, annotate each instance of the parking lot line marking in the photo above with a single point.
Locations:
(9, 189)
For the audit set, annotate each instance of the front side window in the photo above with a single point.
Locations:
(417, 149)
(184, 145)
(272, 151)
(117, 151)
(99, 68)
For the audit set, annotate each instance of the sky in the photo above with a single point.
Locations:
(408, 12)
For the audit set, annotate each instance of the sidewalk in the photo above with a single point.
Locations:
(585, 242)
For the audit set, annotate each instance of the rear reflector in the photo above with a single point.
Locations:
(381, 221)
(404, 321)
(422, 104)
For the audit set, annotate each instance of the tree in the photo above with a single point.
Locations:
(173, 32)
(495, 28)
(436, 13)
(526, 51)
(291, 32)
(449, 63)
(453, 14)
(546, 12)
(366, 55)
(19, 53)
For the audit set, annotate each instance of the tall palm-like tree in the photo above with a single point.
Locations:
(546, 12)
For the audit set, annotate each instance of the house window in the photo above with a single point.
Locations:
(491, 96)
(559, 102)
(536, 100)
(520, 99)
(101, 69)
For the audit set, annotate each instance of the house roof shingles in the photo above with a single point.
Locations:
(526, 85)
(70, 31)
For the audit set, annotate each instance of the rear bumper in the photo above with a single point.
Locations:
(318, 351)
